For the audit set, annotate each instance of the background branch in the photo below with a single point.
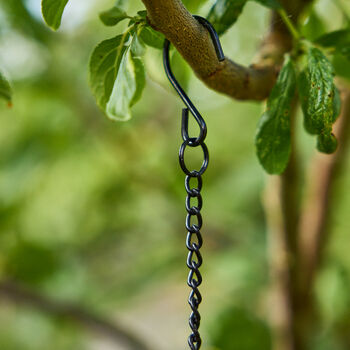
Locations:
(323, 173)
(21, 295)
(281, 202)
(280, 306)
(297, 244)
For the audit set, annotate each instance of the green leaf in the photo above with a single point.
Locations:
(239, 329)
(272, 140)
(312, 26)
(142, 14)
(137, 46)
(341, 66)
(113, 16)
(151, 37)
(104, 66)
(345, 51)
(327, 142)
(303, 89)
(224, 13)
(139, 19)
(336, 104)
(333, 39)
(52, 11)
(127, 88)
(117, 74)
(339, 40)
(5, 89)
(140, 79)
(273, 4)
(316, 89)
(320, 99)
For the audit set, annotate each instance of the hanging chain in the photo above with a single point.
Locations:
(194, 240)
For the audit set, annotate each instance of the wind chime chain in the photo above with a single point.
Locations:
(194, 239)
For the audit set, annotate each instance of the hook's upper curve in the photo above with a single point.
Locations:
(214, 36)
(190, 106)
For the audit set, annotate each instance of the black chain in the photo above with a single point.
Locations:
(194, 240)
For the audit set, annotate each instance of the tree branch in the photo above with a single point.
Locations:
(193, 42)
(282, 211)
(281, 311)
(18, 294)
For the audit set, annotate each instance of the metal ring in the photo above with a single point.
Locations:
(195, 320)
(194, 245)
(194, 341)
(205, 162)
(192, 209)
(193, 192)
(194, 227)
(195, 298)
(193, 282)
(191, 264)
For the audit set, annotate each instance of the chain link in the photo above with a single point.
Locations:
(194, 240)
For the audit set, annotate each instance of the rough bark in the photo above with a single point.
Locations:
(193, 42)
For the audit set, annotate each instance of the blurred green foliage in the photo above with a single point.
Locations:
(239, 329)
(92, 211)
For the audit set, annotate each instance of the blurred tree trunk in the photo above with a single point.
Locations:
(282, 211)
(297, 236)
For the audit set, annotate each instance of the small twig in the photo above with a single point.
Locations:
(289, 24)
(19, 294)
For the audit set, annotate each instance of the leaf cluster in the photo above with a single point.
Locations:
(319, 98)
(117, 73)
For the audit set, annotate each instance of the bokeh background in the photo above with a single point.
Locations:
(92, 212)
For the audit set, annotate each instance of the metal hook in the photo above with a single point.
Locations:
(190, 107)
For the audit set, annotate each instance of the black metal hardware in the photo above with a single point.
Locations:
(193, 244)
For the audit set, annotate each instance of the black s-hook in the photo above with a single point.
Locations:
(194, 238)
(190, 107)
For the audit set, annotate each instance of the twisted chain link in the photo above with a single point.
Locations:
(194, 240)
